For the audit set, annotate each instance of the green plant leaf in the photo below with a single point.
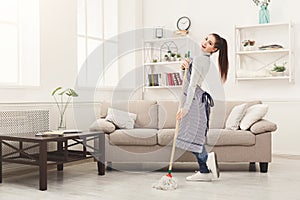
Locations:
(71, 92)
(278, 68)
(54, 91)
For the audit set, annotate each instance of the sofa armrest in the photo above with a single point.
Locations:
(102, 125)
(263, 126)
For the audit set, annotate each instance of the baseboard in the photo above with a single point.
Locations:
(287, 156)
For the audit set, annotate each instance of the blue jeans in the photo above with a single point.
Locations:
(202, 158)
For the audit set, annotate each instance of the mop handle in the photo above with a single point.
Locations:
(177, 124)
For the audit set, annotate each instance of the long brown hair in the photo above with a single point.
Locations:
(221, 45)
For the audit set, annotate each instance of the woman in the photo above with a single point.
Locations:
(194, 114)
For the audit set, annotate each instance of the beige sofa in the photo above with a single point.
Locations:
(152, 136)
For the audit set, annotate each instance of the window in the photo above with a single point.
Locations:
(19, 39)
(97, 28)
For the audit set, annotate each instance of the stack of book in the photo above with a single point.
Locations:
(165, 79)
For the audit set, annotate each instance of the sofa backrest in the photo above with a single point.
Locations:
(146, 111)
(167, 110)
(161, 114)
(226, 109)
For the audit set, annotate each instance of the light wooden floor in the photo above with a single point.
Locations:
(81, 181)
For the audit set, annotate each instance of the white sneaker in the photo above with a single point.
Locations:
(212, 164)
(200, 177)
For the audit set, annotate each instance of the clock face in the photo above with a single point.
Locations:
(183, 23)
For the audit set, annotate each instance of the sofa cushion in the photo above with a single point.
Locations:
(215, 137)
(121, 118)
(231, 104)
(263, 126)
(146, 111)
(235, 117)
(221, 111)
(102, 125)
(165, 136)
(167, 110)
(134, 137)
(223, 137)
(253, 114)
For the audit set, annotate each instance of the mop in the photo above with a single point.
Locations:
(168, 182)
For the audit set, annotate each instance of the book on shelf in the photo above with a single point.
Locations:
(154, 79)
(165, 79)
(174, 79)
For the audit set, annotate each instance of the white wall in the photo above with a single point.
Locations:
(58, 44)
(58, 53)
(58, 50)
(220, 16)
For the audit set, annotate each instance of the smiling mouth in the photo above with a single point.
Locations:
(203, 47)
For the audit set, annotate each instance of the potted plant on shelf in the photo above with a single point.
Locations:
(173, 56)
(166, 57)
(279, 70)
(248, 45)
(178, 56)
(58, 95)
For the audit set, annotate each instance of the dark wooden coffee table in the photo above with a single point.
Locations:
(22, 153)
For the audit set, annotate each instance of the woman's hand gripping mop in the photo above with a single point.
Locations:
(167, 182)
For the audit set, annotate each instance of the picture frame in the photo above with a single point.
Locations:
(159, 32)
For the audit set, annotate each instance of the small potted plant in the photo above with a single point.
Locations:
(173, 56)
(178, 56)
(58, 95)
(166, 57)
(248, 45)
(279, 70)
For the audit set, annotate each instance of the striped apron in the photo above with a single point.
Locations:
(194, 125)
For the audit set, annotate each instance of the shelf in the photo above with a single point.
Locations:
(166, 75)
(261, 60)
(164, 63)
(163, 87)
(263, 25)
(264, 78)
(263, 51)
(165, 39)
(53, 157)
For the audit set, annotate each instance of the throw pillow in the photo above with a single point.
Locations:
(253, 114)
(263, 126)
(102, 125)
(121, 118)
(235, 117)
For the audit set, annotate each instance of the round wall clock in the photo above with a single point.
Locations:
(183, 23)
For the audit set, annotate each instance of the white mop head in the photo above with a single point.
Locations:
(166, 183)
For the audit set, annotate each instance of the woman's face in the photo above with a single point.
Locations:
(208, 44)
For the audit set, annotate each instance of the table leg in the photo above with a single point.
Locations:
(43, 165)
(101, 158)
(60, 167)
(0, 161)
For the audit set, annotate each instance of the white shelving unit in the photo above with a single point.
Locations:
(256, 64)
(157, 49)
